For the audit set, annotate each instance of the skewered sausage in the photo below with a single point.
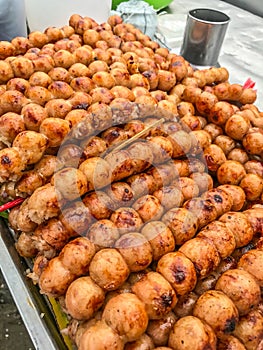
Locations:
(202, 333)
(161, 297)
(120, 310)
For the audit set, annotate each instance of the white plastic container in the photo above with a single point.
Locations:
(47, 13)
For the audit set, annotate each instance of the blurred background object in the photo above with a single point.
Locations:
(140, 14)
(157, 4)
(253, 6)
(12, 19)
(42, 14)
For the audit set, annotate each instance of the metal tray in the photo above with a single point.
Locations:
(35, 308)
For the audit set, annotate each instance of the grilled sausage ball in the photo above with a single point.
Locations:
(121, 165)
(22, 67)
(126, 315)
(230, 342)
(23, 221)
(230, 172)
(94, 146)
(136, 251)
(203, 209)
(252, 262)
(254, 167)
(96, 171)
(160, 238)
(31, 145)
(238, 154)
(221, 236)
(56, 108)
(179, 271)
(11, 124)
(114, 135)
(148, 207)
(252, 184)
(18, 84)
(33, 115)
(55, 278)
(203, 255)
(253, 141)
(43, 204)
(126, 220)
(142, 156)
(181, 142)
(108, 269)
(12, 101)
(160, 297)
(76, 217)
(204, 102)
(240, 226)
(225, 143)
(214, 157)
(169, 197)
(11, 164)
(237, 193)
(237, 126)
(255, 218)
(182, 222)
(142, 184)
(55, 129)
(222, 200)
(53, 233)
(162, 149)
(204, 181)
(163, 174)
(77, 255)
(187, 186)
(241, 287)
(6, 72)
(103, 233)
(121, 194)
(100, 336)
(249, 330)
(221, 112)
(202, 335)
(218, 311)
(83, 298)
(214, 130)
(71, 183)
(99, 204)
(12, 217)
(25, 245)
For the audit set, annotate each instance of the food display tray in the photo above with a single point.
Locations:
(35, 308)
(241, 48)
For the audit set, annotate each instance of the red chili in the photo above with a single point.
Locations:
(11, 204)
(249, 84)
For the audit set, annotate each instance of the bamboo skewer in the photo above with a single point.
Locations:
(135, 137)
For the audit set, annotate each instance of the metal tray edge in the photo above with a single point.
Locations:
(33, 307)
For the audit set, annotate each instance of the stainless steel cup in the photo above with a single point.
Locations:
(203, 36)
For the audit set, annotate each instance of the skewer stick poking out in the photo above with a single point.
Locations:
(19, 200)
(137, 136)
